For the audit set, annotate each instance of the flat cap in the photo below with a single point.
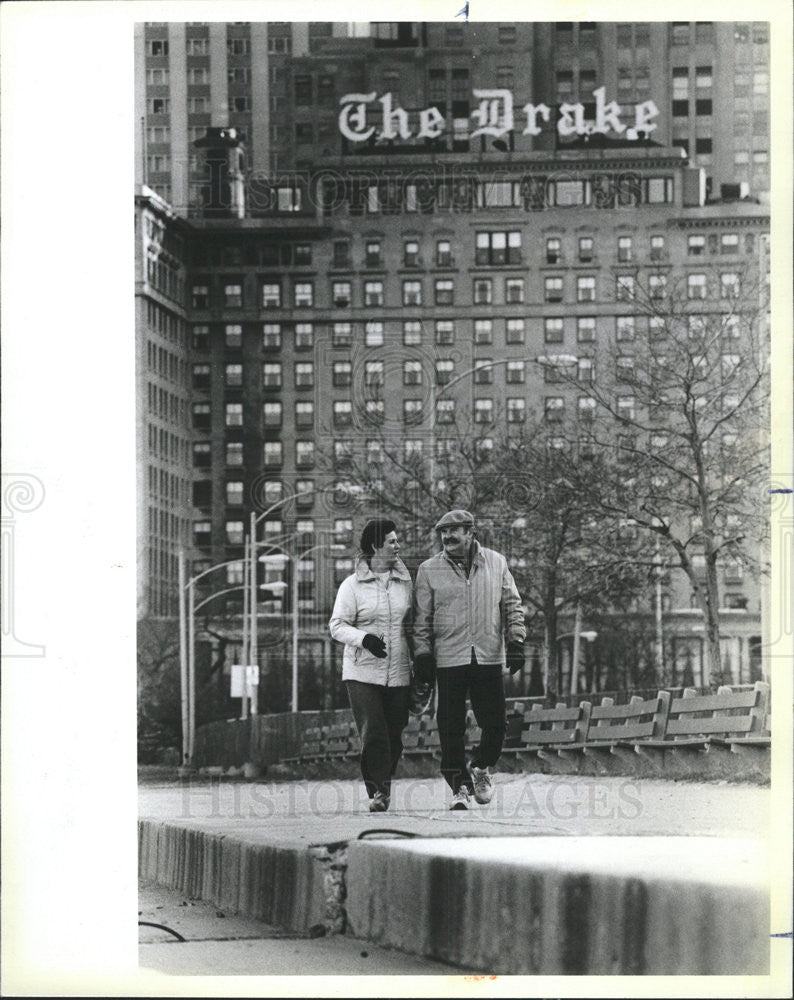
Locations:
(455, 517)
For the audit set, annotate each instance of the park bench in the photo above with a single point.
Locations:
(547, 732)
(337, 741)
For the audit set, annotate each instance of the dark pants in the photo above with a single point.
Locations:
(484, 686)
(381, 714)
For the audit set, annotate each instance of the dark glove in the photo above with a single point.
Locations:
(425, 668)
(515, 655)
(375, 645)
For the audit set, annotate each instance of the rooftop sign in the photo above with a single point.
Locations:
(494, 116)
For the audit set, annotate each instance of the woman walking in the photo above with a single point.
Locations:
(369, 617)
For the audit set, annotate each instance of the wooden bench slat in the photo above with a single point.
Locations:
(636, 730)
(714, 724)
(713, 702)
(629, 711)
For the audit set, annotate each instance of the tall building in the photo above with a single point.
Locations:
(279, 86)
(394, 263)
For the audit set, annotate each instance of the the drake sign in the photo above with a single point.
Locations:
(494, 116)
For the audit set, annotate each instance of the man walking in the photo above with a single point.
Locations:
(465, 604)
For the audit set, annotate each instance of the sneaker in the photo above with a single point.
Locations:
(461, 798)
(483, 786)
(379, 803)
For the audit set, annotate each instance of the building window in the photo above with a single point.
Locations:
(342, 334)
(585, 329)
(304, 414)
(271, 295)
(412, 293)
(483, 411)
(412, 449)
(201, 376)
(341, 254)
(552, 289)
(624, 249)
(234, 453)
(373, 333)
(624, 367)
(585, 249)
(444, 292)
(340, 291)
(271, 336)
(200, 297)
(202, 416)
(445, 331)
(233, 296)
(444, 256)
(553, 250)
(626, 407)
(343, 413)
(234, 414)
(342, 374)
(202, 454)
(657, 286)
(374, 411)
(304, 374)
(304, 454)
(515, 372)
(624, 328)
(304, 293)
(585, 289)
(516, 410)
(373, 374)
(272, 454)
(729, 243)
(373, 293)
(657, 248)
(553, 330)
(483, 371)
(696, 286)
(445, 411)
(234, 493)
(729, 285)
(271, 375)
(411, 253)
(483, 291)
(444, 371)
(483, 331)
(696, 245)
(514, 331)
(624, 288)
(233, 375)
(412, 332)
(233, 335)
(304, 335)
(412, 411)
(373, 256)
(412, 372)
(586, 408)
(272, 414)
(514, 290)
(498, 247)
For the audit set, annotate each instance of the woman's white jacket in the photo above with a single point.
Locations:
(365, 604)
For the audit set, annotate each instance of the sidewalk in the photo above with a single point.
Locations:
(650, 863)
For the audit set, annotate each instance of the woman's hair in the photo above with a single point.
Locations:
(374, 533)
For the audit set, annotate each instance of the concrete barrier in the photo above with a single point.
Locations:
(566, 906)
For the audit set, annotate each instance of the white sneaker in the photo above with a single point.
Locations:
(461, 799)
(483, 785)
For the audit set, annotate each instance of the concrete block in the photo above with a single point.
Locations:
(566, 906)
(282, 886)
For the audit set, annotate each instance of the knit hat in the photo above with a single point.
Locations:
(455, 517)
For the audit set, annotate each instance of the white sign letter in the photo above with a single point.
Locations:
(532, 111)
(607, 114)
(398, 113)
(431, 123)
(354, 112)
(642, 119)
(575, 125)
(495, 113)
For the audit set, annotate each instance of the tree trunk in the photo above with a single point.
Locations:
(551, 669)
(711, 614)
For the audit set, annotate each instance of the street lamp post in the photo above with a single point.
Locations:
(295, 558)
(588, 636)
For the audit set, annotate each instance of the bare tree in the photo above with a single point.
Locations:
(681, 399)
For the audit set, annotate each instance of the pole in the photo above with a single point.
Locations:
(659, 627)
(254, 652)
(191, 674)
(295, 632)
(246, 612)
(577, 628)
(253, 693)
(183, 671)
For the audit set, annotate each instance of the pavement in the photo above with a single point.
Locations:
(557, 875)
